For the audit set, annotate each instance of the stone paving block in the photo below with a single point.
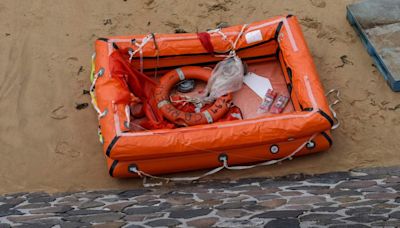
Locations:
(350, 226)
(203, 222)
(90, 204)
(32, 206)
(318, 217)
(395, 215)
(133, 193)
(163, 223)
(366, 210)
(134, 226)
(382, 196)
(287, 223)
(232, 213)
(388, 223)
(290, 193)
(57, 209)
(84, 212)
(307, 200)
(110, 225)
(97, 218)
(274, 203)
(327, 209)
(119, 206)
(20, 219)
(236, 205)
(189, 213)
(146, 210)
(43, 199)
(10, 212)
(355, 184)
(279, 214)
(347, 199)
(338, 193)
(363, 218)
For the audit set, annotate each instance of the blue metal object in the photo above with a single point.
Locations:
(378, 25)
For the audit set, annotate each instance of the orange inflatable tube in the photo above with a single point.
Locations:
(273, 48)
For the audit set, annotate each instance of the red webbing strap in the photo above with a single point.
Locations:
(205, 40)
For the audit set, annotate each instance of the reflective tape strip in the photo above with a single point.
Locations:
(208, 117)
(180, 74)
(162, 103)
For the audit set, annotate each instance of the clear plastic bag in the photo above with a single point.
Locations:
(227, 77)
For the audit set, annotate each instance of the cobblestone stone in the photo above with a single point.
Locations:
(163, 222)
(287, 223)
(203, 222)
(343, 199)
(189, 213)
(307, 200)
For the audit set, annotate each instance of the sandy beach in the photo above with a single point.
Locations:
(49, 145)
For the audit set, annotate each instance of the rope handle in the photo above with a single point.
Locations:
(331, 105)
(93, 78)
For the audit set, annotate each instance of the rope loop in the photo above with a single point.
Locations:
(331, 105)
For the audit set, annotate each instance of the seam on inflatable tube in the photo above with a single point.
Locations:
(328, 138)
(103, 39)
(112, 168)
(326, 116)
(278, 30)
(111, 145)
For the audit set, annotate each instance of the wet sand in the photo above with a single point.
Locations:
(49, 145)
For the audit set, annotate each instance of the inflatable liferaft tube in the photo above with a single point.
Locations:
(276, 44)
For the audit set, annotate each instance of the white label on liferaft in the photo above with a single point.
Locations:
(253, 36)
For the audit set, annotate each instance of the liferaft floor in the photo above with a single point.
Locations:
(360, 198)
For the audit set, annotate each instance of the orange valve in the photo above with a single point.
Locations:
(170, 79)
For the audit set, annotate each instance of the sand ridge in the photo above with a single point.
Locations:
(47, 144)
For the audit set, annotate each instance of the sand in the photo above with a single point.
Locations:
(46, 144)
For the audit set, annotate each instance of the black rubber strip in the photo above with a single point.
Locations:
(289, 16)
(205, 54)
(206, 63)
(115, 46)
(109, 148)
(103, 39)
(290, 73)
(113, 165)
(278, 50)
(326, 116)
(307, 109)
(278, 30)
(289, 87)
(329, 139)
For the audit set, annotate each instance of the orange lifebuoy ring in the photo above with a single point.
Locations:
(170, 79)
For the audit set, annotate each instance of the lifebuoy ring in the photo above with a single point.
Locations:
(169, 80)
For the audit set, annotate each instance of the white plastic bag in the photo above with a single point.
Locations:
(227, 77)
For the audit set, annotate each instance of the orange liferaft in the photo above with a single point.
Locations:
(274, 49)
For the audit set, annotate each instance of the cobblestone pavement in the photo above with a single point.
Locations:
(359, 198)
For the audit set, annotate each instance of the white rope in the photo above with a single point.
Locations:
(225, 165)
(91, 90)
(272, 162)
(232, 52)
(140, 50)
(337, 101)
